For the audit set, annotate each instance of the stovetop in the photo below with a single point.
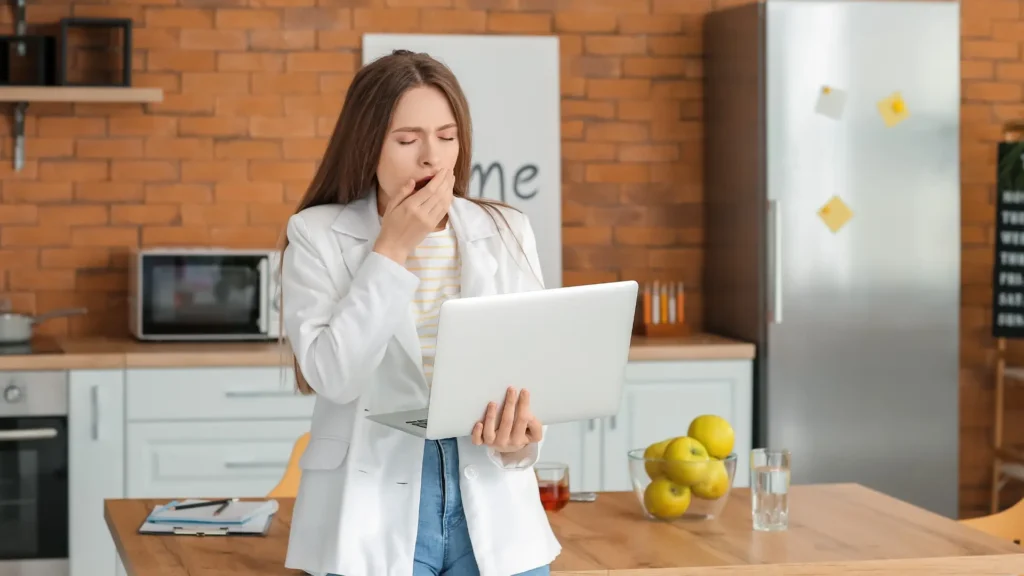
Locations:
(36, 346)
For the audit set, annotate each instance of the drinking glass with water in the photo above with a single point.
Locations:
(769, 489)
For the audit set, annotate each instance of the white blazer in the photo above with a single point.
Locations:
(349, 319)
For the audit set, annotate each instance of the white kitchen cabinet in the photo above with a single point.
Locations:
(208, 459)
(578, 445)
(96, 466)
(211, 431)
(659, 400)
(215, 394)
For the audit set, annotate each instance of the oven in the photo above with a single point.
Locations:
(34, 474)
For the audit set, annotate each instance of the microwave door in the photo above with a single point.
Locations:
(204, 296)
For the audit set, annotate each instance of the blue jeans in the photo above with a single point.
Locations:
(443, 547)
(442, 541)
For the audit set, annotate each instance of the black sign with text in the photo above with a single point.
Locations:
(1008, 268)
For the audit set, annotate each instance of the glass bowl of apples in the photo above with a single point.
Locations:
(680, 478)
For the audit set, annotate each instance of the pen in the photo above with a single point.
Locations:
(223, 503)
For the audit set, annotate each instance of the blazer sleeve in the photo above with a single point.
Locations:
(530, 454)
(339, 339)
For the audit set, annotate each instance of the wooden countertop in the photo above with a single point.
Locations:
(100, 353)
(834, 529)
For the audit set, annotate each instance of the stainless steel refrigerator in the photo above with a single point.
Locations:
(853, 304)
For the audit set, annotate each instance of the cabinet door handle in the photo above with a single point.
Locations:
(591, 424)
(258, 393)
(242, 465)
(612, 422)
(94, 410)
(30, 434)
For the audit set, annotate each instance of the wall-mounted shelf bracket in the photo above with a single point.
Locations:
(20, 24)
(19, 135)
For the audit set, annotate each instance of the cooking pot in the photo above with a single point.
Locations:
(17, 328)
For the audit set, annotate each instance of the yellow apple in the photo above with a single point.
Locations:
(655, 451)
(685, 461)
(665, 499)
(715, 433)
(715, 483)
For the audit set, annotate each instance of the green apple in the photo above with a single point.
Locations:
(686, 461)
(653, 454)
(665, 499)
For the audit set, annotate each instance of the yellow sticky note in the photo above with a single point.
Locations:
(835, 214)
(893, 109)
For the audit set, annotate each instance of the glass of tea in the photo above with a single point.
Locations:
(553, 481)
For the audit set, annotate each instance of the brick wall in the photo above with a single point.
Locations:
(252, 91)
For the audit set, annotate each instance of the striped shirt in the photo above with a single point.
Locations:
(436, 262)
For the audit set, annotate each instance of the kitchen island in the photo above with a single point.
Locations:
(834, 529)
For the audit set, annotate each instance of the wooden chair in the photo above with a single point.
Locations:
(1008, 524)
(288, 487)
(1007, 464)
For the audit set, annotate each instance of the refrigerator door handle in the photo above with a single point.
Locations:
(776, 248)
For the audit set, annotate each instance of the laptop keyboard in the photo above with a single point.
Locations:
(420, 423)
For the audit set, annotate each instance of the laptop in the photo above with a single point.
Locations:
(568, 346)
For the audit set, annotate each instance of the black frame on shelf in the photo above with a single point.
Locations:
(125, 24)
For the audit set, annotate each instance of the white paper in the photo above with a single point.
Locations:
(831, 102)
(256, 525)
(235, 513)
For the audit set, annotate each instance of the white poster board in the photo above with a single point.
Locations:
(512, 84)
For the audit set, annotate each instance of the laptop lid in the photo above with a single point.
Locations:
(569, 346)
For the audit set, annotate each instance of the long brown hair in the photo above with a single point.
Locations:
(348, 171)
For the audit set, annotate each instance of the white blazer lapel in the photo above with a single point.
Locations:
(473, 226)
(358, 227)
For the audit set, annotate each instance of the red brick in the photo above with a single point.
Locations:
(18, 214)
(25, 279)
(178, 18)
(77, 171)
(74, 258)
(145, 214)
(182, 60)
(195, 39)
(73, 215)
(169, 148)
(213, 215)
(111, 236)
(109, 148)
(250, 62)
(247, 19)
(615, 89)
(519, 23)
(454, 21)
(586, 21)
(143, 170)
(317, 18)
(615, 45)
(320, 62)
(386, 19)
(281, 40)
(617, 132)
(249, 192)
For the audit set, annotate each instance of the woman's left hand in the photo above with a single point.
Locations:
(516, 428)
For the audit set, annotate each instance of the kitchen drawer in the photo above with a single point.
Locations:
(208, 459)
(212, 393)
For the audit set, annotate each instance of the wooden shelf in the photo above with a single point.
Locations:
(22, 96)
(114, 94)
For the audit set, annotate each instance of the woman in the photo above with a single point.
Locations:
(385, 234)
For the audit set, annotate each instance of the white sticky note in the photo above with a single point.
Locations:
(831, 102)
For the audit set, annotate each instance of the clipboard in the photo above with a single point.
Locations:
(257, 526)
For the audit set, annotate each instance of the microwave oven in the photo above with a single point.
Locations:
(204, 294)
